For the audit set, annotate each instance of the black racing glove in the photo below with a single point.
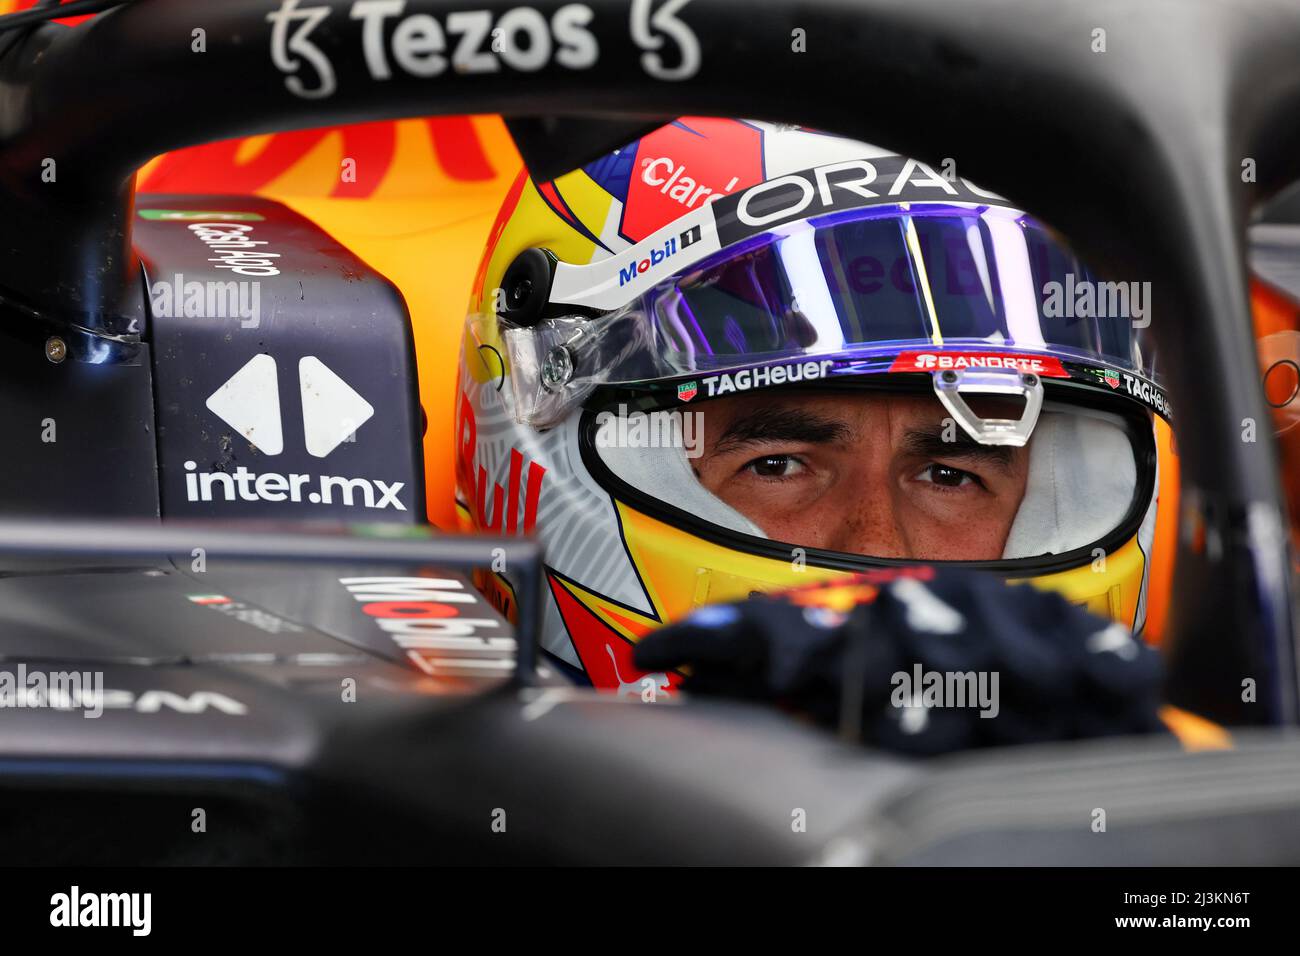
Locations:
(922, 661)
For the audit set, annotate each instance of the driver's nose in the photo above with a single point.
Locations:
(866, 521)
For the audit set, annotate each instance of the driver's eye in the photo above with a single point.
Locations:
(773, 466)
(946, 476)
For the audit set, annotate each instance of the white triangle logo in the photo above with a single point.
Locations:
(249, 402)
(332, 411)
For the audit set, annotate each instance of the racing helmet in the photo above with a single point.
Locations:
(641, 326)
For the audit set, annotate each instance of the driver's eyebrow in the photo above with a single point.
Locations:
(781, 425)
(929, 443)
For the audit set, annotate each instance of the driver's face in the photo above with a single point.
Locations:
(866, 474)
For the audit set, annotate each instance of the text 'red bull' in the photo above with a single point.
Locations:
(503, 499)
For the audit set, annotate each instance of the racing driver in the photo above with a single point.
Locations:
(736, 357)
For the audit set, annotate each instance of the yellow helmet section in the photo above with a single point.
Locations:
(1110, 585)
(538, 216)
(681, 572)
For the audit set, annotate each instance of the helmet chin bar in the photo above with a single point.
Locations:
(952, 385)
